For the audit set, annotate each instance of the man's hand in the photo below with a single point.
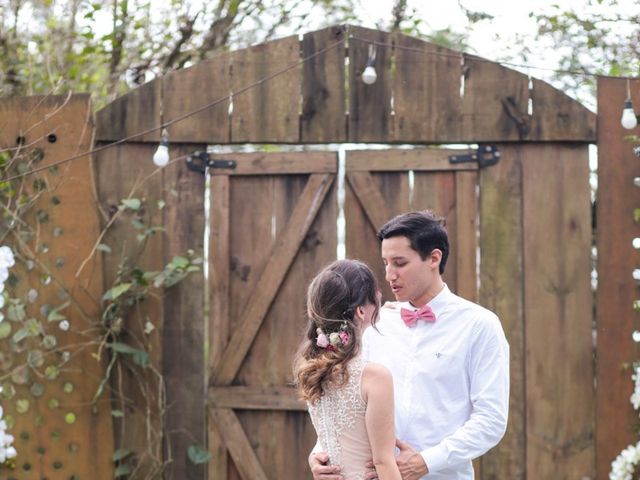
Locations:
(410, 463)
(320, 470)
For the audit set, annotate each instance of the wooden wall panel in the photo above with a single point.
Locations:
(616, 229)
(47, 396)
(191, 89)
(369, 105)
(131, 114)
(556, 116)
(488, 88)
(323, 94)
(268, 112)
(426, 91)
(183, 335)
(502, 291)
(558, 312)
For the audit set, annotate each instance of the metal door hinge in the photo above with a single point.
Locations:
(200, 161)
(486, 156)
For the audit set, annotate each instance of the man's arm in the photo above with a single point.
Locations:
(488, 369)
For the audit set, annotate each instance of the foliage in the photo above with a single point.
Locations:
(46, 329)
(106, 48)
(598, 36)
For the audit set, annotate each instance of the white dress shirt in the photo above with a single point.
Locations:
(451, 381)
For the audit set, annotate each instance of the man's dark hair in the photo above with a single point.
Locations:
(425, 231)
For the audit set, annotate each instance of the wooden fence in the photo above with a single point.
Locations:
(521, 233)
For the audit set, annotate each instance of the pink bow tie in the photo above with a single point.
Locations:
(411, 317)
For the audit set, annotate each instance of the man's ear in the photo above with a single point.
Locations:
(436, 257)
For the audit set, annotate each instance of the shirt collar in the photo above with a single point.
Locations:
(437, 303)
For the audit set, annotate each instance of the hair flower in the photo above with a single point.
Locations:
(334, 338)
(322, 341)
(344, 338)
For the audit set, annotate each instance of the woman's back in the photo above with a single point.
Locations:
(339, 419)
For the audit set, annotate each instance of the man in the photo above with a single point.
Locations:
(448, 357)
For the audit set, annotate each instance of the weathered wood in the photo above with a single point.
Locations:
(369, 105)
(426, 91)
(557, 117)
(616, 320)
(494, 103)
(466, 235)
(285, 163)
(323, 94)
(369, 196)
(120, 173)
(190, 89)
(501, 291)
(418, 159)
(256, 398)
(436, 191)
(183, 333)
(272, 276)
(238, 444)
(131, 114)
(47, 445)
(268, 111)
(558, 312)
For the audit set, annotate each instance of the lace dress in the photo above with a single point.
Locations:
(339, 419)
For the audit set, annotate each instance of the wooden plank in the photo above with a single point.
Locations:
(616, 320)
(501, 291)
(118, 170)
(272, 163)
(238, 444)
(256, 398)
(369, 105)
(272, 276)
(56, 238)
(557, 117)
(417, 159)
(260, 114)
(467, 235)
(436, 191)
(558, 312)
(323, 94)
(190, 89)
(183, 336)
(369, 197)
(488, 89)
(131, 114)
(426, 91)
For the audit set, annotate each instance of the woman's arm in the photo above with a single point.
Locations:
(377, 392)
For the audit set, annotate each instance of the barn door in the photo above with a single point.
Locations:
(273, 226)
(385, 183)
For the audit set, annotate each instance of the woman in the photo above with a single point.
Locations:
(350, 401)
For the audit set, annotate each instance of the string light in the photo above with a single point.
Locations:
(161, 157)
(278, 73)
(629, 119)
(369, 75)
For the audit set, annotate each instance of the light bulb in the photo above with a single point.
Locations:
(161, 157)
(628, 119)
(369, 76)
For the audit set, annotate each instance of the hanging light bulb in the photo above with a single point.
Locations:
(628, 120)
(161, 157)
(369, 75)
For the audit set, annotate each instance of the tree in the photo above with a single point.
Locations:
(108, 48)
(598, 37)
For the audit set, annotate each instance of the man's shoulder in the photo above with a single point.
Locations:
(474, 312)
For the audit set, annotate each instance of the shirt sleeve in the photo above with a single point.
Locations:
(488, 370)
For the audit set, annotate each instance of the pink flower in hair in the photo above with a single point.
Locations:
(344, 337)
(322, 341)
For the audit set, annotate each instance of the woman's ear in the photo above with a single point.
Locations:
(360, 312)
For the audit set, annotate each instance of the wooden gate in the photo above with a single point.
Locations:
(273, 226)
